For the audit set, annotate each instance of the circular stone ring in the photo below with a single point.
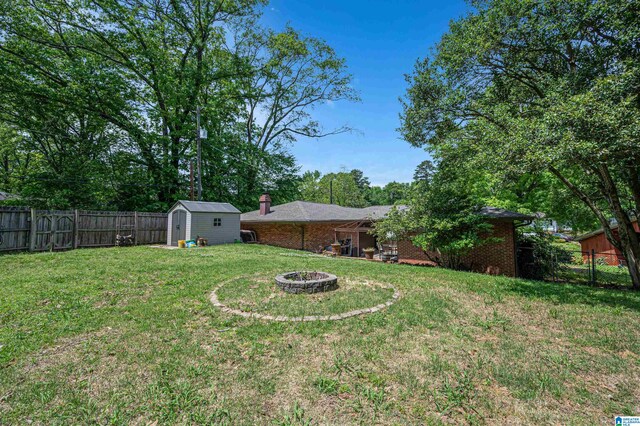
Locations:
(283, 318)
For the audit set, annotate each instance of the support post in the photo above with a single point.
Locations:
(34, 231)
(593, 266)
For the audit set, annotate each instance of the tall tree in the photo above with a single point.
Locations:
(142, 66)
(441, 217)
(289, 75)
(132, 74)
(549, 86)
(340, 188)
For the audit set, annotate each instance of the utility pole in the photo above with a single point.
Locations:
(192, 193)
(199, 144)
(331, 191)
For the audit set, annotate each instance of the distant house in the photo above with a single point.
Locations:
(314, 226)
(597, 242)
(6, 196)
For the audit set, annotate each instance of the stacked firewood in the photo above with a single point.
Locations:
(124, 240)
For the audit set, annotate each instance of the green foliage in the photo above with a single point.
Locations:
(521, 88)
(441, 217)
(344, 187)
(101, 98)
(539, 257)
(350, 189)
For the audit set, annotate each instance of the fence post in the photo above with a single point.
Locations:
(135, 228)
(33, 233)
(54, 230)
(76, 221)
(593, 266)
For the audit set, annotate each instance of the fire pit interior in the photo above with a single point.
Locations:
(306, 282)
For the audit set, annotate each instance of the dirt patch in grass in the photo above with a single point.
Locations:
(67, 351)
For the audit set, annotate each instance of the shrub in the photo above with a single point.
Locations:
(538, 256)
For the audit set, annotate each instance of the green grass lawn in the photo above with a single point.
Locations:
(122, 336)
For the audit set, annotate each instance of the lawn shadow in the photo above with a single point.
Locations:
(565, 293)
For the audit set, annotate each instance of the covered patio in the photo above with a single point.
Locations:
(354, 237)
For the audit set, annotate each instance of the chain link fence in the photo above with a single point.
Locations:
(572, 265)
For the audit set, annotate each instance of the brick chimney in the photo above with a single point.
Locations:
(265, 204)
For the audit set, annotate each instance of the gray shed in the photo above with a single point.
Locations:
(219, 223)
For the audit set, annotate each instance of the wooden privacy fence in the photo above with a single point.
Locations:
(22, 228)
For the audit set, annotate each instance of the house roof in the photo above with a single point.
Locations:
(591, 234)
(206, 207)
(304, 211)
(5, 196)
(599, 231)
(496, 213)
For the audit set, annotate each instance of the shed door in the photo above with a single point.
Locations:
(179, 223)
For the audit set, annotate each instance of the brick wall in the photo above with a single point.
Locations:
(309, 236)
(495, 259)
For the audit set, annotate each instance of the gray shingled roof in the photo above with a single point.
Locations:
(206, 207)
(304, 211)
(496, 213)
(5, 196)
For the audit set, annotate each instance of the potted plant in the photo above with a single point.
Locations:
(368, 253)
(336, 247)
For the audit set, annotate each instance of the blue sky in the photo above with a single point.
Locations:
(381, 40)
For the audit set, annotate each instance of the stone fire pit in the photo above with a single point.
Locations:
(306, 282)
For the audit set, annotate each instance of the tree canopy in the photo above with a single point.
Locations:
(101, 97)
(350, 189)
(541, 88)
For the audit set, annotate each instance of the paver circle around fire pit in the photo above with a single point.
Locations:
(306, 282)
(256, 296)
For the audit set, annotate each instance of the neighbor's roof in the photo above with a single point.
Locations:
(614, 226)
(592, 234)
(5, 196)
(304, 211)
(206, 207)
(496, 213)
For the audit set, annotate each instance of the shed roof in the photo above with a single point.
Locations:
(206, 207)
(304, 211)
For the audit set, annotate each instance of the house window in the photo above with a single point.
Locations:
(217, 221)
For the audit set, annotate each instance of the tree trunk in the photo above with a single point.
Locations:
(628, 241)
(628, 237)
(630, 244)
(633, 263)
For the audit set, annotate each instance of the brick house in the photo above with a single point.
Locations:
(310, 226)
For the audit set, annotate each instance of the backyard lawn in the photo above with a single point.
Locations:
(130, 336)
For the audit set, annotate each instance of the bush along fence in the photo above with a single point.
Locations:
(26, 229)
(574, 266)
